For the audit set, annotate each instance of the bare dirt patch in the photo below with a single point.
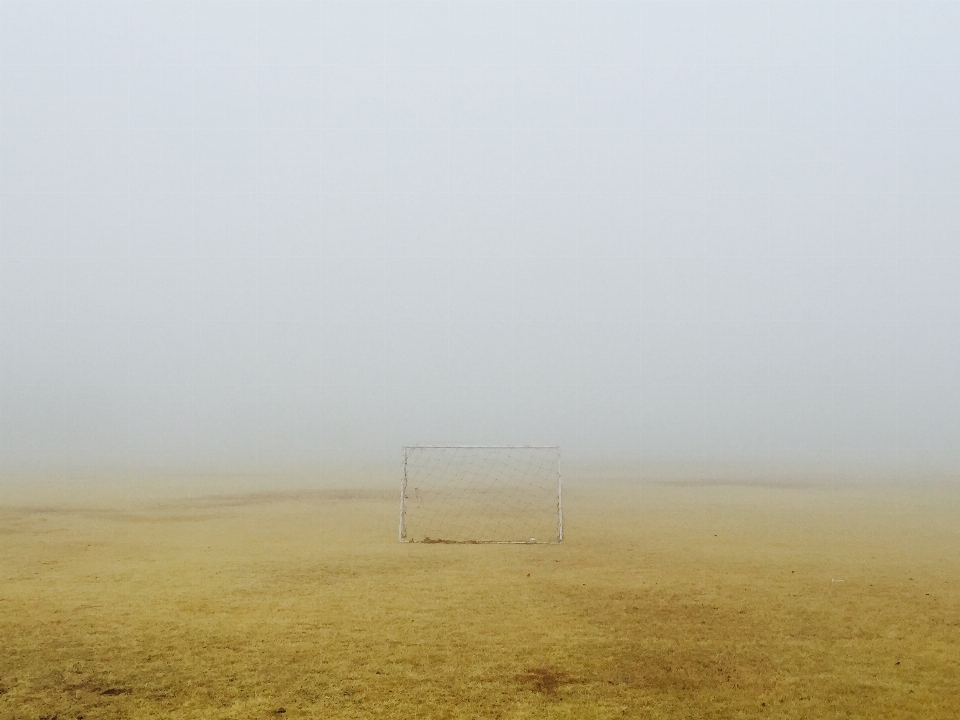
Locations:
(546, 680)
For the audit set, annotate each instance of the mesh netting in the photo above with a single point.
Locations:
(481, 494)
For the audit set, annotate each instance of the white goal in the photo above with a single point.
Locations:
(481, 494)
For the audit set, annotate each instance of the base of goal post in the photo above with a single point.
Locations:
(481, 495)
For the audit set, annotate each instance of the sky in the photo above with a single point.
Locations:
(693, 239)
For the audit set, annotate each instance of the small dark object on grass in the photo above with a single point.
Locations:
(430, 541)
(115, 691)
(280, 711)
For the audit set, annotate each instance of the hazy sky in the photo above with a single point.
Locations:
(272, 236)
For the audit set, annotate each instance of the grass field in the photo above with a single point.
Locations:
(670, 601)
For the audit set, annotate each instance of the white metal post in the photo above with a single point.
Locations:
(403, 498)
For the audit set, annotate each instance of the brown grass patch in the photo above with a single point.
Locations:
(545, 680)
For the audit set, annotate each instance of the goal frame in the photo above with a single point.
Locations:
(402, 534)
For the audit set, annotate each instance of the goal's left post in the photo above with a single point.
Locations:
(403, 500)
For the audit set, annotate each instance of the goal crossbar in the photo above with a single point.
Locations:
(484, 447)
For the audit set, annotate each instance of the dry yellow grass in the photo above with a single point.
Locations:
(677, 601)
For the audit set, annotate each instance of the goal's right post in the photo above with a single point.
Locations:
(481, 494)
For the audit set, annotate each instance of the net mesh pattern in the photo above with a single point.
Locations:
(481, 494)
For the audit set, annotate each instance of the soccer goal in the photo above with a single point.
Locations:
(481, 494)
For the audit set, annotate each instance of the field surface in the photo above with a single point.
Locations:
(664, 601)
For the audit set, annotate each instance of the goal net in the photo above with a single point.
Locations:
(481, 494)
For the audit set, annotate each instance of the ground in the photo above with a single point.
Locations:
(674, 600)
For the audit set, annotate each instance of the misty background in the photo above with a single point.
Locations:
(698, 239)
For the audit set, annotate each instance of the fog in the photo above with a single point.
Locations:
(697, 239)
